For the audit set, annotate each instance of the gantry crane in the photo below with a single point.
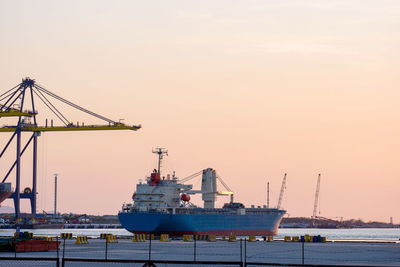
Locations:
(15, 102)
(282, 191)
(314, 216)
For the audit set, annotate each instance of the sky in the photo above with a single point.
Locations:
(253, 89)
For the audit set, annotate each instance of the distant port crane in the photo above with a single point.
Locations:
(314, 216)
(13, 103)
(282, 191)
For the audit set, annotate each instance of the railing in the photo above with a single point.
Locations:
(127, 252)
(29, 261)
(64, 262)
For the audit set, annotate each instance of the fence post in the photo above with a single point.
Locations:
(149, 250)
(58, 252)
(302, 253)
(241, 252)
(64, 248)
(194, 250)
(106, 248)
(245, 252)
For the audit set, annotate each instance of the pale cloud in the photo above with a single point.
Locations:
(300, 47)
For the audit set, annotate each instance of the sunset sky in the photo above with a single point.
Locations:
(252, 89)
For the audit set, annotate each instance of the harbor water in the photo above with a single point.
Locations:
(372, 247)
(373, 234)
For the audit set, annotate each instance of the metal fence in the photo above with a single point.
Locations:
(154, 263)
(29, 261)
(72, 262)
(124, 252)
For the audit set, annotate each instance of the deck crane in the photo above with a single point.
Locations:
(282, 191)
(314, 216)
(229, 192)
(14, 103)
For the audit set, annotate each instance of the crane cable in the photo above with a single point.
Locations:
(223, 183)
(190, 177)
(10, 90)
(56, 112)
(8, 93)
(74, 105)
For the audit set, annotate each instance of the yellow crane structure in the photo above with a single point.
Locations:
(19, 102)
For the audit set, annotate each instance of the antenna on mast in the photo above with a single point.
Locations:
(267, 194)
(161, 152)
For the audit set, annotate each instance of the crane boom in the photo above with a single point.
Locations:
(71, 128)
(282, 191)
(316, 197)
(16, 101)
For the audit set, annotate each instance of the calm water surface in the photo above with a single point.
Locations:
(343, 234)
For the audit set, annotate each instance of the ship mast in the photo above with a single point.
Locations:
(161, 152)
(267, 194)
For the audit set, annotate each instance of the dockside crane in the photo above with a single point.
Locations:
(13, 103)
(282, 191)
(314, 216)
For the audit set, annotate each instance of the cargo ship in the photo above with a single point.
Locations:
(161, 205)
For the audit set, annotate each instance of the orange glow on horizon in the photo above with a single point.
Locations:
(252, 90)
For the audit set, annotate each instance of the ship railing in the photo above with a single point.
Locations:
(136, 210)
(149, 200)
(204, 211)
(147, 194)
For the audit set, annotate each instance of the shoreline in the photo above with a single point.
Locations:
(357, 235)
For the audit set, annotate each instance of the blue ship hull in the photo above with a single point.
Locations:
(255, 223)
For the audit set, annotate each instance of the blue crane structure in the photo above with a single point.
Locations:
(13, 103)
